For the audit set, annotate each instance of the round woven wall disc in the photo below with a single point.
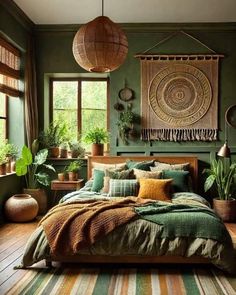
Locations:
(180, 95)
(126, 94)
(230, 116)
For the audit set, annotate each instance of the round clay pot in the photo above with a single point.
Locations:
(97, 149)
(226, 209)
(40, 196)
(21, 208)
(8, 165)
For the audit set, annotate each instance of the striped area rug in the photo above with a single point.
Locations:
(164, 280)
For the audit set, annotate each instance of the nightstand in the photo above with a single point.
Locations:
(65, 186)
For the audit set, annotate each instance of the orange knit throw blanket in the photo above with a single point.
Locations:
(73, 226)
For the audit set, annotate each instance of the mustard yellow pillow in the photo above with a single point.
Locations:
(157, 189)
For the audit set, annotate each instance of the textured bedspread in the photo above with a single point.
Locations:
(146, 236)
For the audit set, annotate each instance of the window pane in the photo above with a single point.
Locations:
(65, 94)
(69, 117)
(91, 118)
(94, 94)
(2, 129)
(2, 104)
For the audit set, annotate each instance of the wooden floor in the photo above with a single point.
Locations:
(13, 237)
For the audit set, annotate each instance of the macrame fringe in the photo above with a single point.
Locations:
(179, 134)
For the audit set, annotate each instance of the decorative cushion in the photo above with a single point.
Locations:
(123, 187)
(106, 184)
(180, 179)
(116, 174)
(146, 174)
(98, 180)
(157, 189)
(144, 165)
(159, 166)
(103, 167)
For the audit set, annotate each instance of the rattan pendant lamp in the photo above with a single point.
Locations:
(100, 45)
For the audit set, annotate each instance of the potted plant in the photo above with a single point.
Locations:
(64, 150)
(3, 160)
(11, 152)
(51, 139)
(32, 166)
(125, 124)
(97, 136)
(73, 170)
(222, 176)
(61, 176)
(77, 151)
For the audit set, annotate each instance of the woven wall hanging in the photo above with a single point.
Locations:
(179, 96)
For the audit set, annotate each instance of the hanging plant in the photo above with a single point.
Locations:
(126, 123)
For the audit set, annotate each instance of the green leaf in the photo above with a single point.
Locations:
(50, 167)
(41, 157)
(21, 167)
(26, 155)
(209, 182)
(42, 178)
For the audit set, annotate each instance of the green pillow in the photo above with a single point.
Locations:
(144, 165)
(125, 174)
(98, 180)
(123, 187)
(180, 179)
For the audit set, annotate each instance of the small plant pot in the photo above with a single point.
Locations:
(97, 149)
(54, 152)
(226, 209)
(8, 166)
(63, 153)
(3, 169)
(74, 154)
(73, 176)
(61, 176)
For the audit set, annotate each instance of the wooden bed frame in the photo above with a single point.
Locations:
(193, 166)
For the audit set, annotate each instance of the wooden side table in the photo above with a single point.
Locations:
(65, 185)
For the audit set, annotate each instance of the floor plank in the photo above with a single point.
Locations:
(12, 242)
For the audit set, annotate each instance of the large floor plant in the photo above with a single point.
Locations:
(223, 177)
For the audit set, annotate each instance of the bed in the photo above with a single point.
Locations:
(142, 239)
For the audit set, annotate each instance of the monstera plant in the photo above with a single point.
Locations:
(32, 165)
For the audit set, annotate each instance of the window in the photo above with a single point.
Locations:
(3, 116)
(81, 103)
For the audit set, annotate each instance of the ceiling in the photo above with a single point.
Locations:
(129, 11)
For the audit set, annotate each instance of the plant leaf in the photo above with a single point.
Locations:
(21, 167)
(50, 167)
(209, 182)
(41, 157)
(26, 155)
(42, 178)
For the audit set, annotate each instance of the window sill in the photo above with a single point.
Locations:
(8, 174)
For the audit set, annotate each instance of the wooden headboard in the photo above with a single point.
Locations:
(193, 163)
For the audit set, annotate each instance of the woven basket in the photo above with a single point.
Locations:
(100, 45)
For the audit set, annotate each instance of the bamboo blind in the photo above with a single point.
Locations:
(9, 68)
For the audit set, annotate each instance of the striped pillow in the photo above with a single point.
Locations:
(123, 187)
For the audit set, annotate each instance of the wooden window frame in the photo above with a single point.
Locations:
(79, 114)
(6, 117)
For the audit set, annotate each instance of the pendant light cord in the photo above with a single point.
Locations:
(102, 7)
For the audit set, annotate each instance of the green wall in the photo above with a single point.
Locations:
(54, 55)
(16, 31)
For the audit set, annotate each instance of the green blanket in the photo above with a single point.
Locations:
(180, 220)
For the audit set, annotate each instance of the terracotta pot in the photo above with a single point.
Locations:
(21, 208)
(40, 196)
(61, 176)
(3, 169)
(13, 166)
(97, 149)
(63, 153)
(73, 176)
(226, 209)
(8, 165)
(54, 152)
(74, 154)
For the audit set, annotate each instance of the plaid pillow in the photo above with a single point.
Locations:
(123, 187)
